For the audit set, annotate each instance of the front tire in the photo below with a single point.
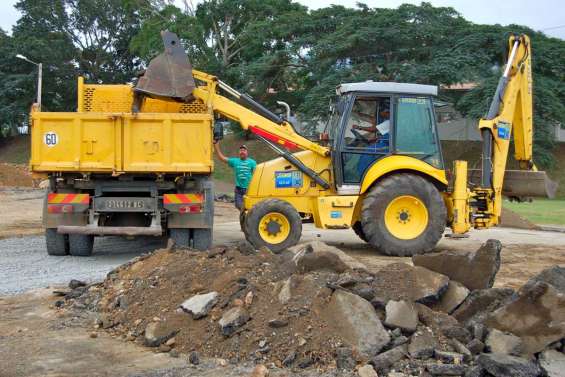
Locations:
(57, 244)
(404, 215)
(273, 223)
(81, 245)
(358, 229)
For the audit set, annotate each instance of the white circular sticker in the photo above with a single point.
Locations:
(50, 139)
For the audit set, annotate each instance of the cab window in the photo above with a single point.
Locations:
(415, 131)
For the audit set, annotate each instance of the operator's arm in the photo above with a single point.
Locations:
(219, 152)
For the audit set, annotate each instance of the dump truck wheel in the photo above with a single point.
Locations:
(180, 236)
(201, 239)
(358, 229)
(273, 223)
(404, 215)
(81, 245)
(57, 244)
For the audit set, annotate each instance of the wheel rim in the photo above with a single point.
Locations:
(406, 217)
(274, 227)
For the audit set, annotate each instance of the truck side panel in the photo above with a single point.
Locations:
(73, 142)
(167, 143)
(121, 142)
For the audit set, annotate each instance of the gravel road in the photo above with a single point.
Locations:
(25, 265)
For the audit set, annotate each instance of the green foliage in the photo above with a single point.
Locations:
(274, 50)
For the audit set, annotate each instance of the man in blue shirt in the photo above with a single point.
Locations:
(243, 168)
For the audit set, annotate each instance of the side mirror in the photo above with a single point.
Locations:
(218, 131)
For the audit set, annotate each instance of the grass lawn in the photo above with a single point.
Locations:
(540, 211)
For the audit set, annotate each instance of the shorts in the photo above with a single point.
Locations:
(239, 193)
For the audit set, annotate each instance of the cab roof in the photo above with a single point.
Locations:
(387, 87)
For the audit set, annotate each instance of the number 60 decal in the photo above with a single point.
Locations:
(50, 139)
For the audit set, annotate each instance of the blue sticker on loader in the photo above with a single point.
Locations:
(503, 130)
(335, 214)
(288, 179)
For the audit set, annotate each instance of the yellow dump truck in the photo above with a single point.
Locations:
(116, 172)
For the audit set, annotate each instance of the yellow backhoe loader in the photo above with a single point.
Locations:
(381, 172)
(137, 161)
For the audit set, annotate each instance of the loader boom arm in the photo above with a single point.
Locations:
(250, 114)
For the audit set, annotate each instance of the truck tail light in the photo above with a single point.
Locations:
(60, 208)
(191, 208)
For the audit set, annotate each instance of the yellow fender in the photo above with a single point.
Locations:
(400, 163)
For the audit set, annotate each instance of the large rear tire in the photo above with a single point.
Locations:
(81, 245)
(273, 223)
(404, 215)
(57, 244)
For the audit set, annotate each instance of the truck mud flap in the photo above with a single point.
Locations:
(111, 230)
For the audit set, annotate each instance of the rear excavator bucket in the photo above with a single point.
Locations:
(522, 183)
(169, 75)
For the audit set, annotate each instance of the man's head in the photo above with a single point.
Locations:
(243, 152)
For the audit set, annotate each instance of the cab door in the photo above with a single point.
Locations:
(364, 138)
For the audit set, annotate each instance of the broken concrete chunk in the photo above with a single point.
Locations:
(462, 349)
(422, 344)
(500, 365)
(500, 342)
(402, 315)
(455, 294)
(385, 360)
(552, 362)
(367, 371)
(400, 281)
(357, 322)
(537, 316)
(344, 358)
(74, 284)
(232, 320)
(554, 276)
(481, 302)
(317, 256)
(448, 357)
(475, 346)
(445, 369)
(200, 305)
(457, 332)
(475, 270)
(157, 333)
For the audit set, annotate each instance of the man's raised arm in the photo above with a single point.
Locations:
(219, 152)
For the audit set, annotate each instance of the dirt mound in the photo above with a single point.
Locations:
(148, 293)
(511, 219)
(15, 175)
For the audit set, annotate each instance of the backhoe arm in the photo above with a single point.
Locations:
(250, 114)
(511, 111)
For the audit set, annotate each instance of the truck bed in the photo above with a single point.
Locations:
(104, 137)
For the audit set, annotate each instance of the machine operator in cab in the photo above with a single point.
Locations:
(243, 167)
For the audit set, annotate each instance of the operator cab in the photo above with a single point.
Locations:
(372, 120)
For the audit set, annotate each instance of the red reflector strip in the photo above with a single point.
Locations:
(193, 208)
(58, 208)
(272, 137)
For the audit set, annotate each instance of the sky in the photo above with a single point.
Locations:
(542, 15)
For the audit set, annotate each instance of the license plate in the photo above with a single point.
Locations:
(125, 204)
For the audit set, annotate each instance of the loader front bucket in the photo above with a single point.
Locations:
(522, 183)
(169, 75)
